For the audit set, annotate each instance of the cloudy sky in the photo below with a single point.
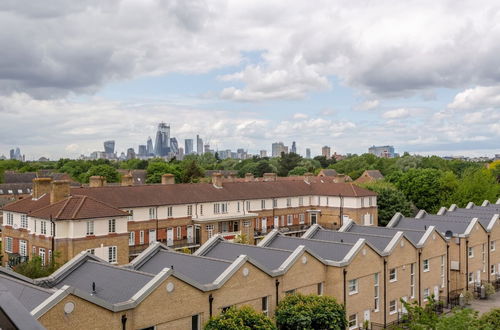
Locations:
(423, 76)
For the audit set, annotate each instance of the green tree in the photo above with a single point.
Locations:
(157, 168)
(324, 162)
(107, 171)
(389, 201)
(288, 162)
(310, 312)
(476, 185)
(491, 319)
(34, 268)
(264, 166)
(240, 319)
(192, 172)
(299, 170)
(134, 164)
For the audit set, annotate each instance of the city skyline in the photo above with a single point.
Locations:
(402, 75)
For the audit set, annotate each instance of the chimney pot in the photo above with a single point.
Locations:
(167, 178)
(269, 176)
(308, 177)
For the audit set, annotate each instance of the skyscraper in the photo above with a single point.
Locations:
(162, 141)
(130, 153)
(188, 146)
(263, 153)
(199, 145)
(149, 147)
(109, 147)
(308, 153)
(326, 151)
(142, 151)
(382, 151)
(294, 148)
(174, 146)
(278, 148)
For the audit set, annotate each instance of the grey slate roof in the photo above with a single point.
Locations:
(200, 269)
(484, 219)
(113, 284)
(29, 295)
(13, 315)
(270, 258)
(457, 227)
(413, 235)
(327, 250)
(378, 241)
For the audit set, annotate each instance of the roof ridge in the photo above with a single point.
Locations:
(317, 240)
(355, 233)
(194, 256)
(101, 202)
(78, 207)
(106, 264)
(32, 285)
(258, 247)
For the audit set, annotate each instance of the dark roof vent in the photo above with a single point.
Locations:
(93, 288)
(448, 234)
(341, 241)
(425, 227)
(172, 266)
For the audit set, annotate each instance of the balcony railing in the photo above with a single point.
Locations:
(136, 249)
(284, 229)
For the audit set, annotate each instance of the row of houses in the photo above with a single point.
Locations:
(368, 269)
(118, 222)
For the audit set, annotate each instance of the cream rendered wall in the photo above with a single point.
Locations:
(78, 229)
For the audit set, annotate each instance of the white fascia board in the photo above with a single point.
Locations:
(498, 201)
(48, 303)
(352, 252)
(268, 238)
(395, 219)
(469, 205)
(426, 235)
(151, 285)
(230, 270)
(486, 203)
(346, 225)
(421, 214)
(492, 222)
(394, 241)
(144, 255)
(309, 232)
(452, 207)
(470, 226)
(292, 257)
(207, 245)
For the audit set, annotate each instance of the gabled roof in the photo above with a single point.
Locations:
(328, 172)
(29, 295)
(77, 208)
(457, 228)
(14, 314)
(26, 205)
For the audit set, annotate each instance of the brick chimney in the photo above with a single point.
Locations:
(97, 181)
(41, 186)
(167, 179)
(231, 177)
(269, 176)
(308, 177)
(59, 191)
(248, 177)
(127, 180)
(217, 180)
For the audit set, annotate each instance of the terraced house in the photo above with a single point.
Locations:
(131, 216)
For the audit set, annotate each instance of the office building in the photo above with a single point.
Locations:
(326, 152)
(174, 146)
(162, 142)
(278, 148)
(382, 151)
(199, 145)
(294, 148)
(142, 151)
(188, 146)
(308, 153)
(109, 147)
(263, 153)
(130, 153)
(149, 147)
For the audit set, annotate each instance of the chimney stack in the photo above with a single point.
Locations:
(308, 177)
(97, 181)
(269, 177)
(217, 180)
(167, 179)
(41, 186)
(59, 191)
(248, 177)
(127, 180)
(231, 177)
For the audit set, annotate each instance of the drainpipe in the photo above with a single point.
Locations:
(345, 289)
(385, 292)
(277, 284)
(157, 234)
(420, 278)
(52, 223)
(341, 215)
(124, 322)
(488, 270)
(210, 303)
(467, 265)
(448, 273)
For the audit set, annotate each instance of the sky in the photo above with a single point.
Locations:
(423, 76)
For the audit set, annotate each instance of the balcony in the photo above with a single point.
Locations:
(287, 230)
(176, 244)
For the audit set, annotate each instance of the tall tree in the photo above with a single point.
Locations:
(240, 319)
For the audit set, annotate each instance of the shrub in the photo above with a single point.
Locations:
(240, 319)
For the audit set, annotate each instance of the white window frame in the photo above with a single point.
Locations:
(395, 275)
(112, 254)
(152, 213)
(289, 220)
(492, 245)
(352, 286)
(41, 253)
(427, 293)
(426, 265)
(179, 232)
(201, 209)
(302, 218)
(9, 244)
(289, 202)
(320, 288)
(470, 252)
(301, 201)
(442, 271)
(412, 280)
(90, 228)
(190, 210)
(141, 237)
(493, 269)
(24, 221)
(352, 323)
(376, 294)
(470, 277)
(246, 223)
(248, 205)
(265, 305)
(393, 307)
(23, 248)
(263, 204)
(131, 238)
(275, 202)
(43, 227)
(111, 226)
(10, 219)
(170, 211)
(210, 230)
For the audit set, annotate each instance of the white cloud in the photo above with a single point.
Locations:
(368, 105)
(477, 98)
(300, 116)
(397, 113)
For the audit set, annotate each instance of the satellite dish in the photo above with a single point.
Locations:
(448, 234)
